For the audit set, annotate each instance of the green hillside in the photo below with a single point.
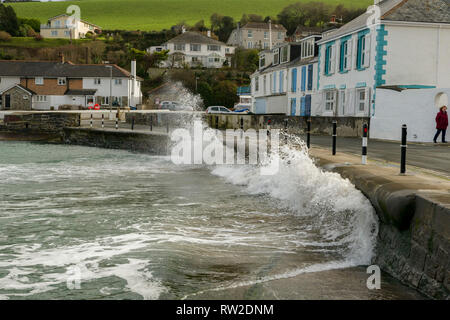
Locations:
(160, 14)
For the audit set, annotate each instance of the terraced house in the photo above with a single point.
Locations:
(284, 83)
(48, 85)
(372, 69)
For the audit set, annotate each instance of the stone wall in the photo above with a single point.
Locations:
(151, 143)
(52, 122)
(19, 99)
(346, 126)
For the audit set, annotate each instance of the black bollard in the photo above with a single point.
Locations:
(403, 150)
(91, 119)
(103, 120)
(117, 122)
(132, 123)
(167, 124)
(334, 136)
(364, 144)
(217, 122)
(285, 130)
(308, 133)
(151, 123)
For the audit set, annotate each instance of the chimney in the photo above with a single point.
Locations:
(183, 29)
(333, 19)
(208, 33)
(61, 57)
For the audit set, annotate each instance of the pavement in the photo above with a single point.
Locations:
(429, 156)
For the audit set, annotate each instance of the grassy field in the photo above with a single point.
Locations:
(160, 14)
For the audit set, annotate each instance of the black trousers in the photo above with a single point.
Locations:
(438, 132)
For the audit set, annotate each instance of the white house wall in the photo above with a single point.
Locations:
(417, 108)
(103, 89)
(418, 54)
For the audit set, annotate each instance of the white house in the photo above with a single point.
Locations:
(66, 27)
(47, 85)
(195, 50)
(257, 35)
(406, 49)
(285, 80)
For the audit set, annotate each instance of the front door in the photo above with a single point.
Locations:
(293, 106)
(308, 105)
(7, 102)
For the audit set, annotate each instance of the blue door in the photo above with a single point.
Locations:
(260, 106)
(294, 80)
(308, 105)
(302, 106)
(293, 106)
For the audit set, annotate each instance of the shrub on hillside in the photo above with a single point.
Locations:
(38, 37)
(4, 36)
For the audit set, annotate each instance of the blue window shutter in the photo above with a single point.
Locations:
(281, 81)
(302, 106)
(303, 78)
(327, 59)
(359, 55)
(294, 80)
(342, 55)
(310, 77)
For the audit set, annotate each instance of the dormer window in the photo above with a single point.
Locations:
(262, 60)
(276, 56)
(284, 54)
(308, 48)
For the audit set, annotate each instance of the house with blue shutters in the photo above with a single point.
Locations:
(396, 45)
(284, 82)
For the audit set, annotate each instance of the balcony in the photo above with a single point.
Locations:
(47, 26)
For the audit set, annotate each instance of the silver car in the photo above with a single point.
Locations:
(217, 109)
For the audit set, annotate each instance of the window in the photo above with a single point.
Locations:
(116, 101)
(249, 45)
(212, 47)
(330, 100)
(195, 59)
(97, 81)
(41, 98)
(196, 47)
(118, 82)
(280, 35)
(62, 81)
(179, 47)
(227, 50)
(262, 60)
(54, 33)
(250, 34)
(67, 33)
(264, 84)
(343, 61)
(266, 34)
(363, 54)
(294, 80)
(266, 45)
(330, 57)
(284, 54)
(57, 23)
(307, 48)
(361, 96)
(39, 81)
(276, 56)
(105, 101)
(256, 84)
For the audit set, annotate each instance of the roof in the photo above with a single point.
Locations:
(194, 37)
(66, 15)
(264, 25)
(431, 11)
(80, 92)
(31, 92)
(52, 69)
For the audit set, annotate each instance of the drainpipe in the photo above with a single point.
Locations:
(270, 34)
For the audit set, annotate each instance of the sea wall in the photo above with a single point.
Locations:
(151, 143)
(346, 126)
(414, 212)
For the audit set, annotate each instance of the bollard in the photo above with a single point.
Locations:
(151, 123)
(103, 121)
(132, 123)
(285, 130)
(167, 124)
(308, 133)
(334, 136)
(364, 144)
(403, 150)
(242, 123)
(217, 122)
(91, 119)
(117, 122)
(269, 121)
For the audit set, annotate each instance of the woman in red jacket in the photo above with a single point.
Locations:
(441, 124)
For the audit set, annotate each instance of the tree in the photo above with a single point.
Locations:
(8, 20)
(225, 94)
(309, 14)
(222, 26)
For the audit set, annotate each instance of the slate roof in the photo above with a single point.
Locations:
(432, 11)
(52, 69)
(264, 25)
(31, 92)
(194, 37)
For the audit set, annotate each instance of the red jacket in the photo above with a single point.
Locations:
(442, 120)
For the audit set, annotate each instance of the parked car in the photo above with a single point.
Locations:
(217, 109)
(174, 106)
